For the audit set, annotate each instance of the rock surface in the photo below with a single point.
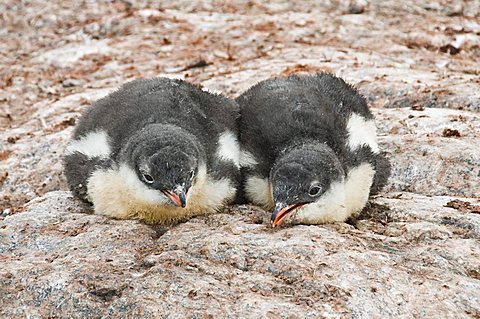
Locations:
(433, 151)
(393, 59)
(407, 255)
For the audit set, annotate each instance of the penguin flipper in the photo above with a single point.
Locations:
(78, 168)
(227, 169)
(379, 161)
(382, 172)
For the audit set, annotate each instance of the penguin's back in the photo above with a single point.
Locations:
(314, 107)
(159, 100)
(322, 92)
(280, 112)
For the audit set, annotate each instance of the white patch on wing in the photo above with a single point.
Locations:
(247, 159)
(228, 148)
(357, 187)
(92, 145)
(259, 191)
(342, 200)
(360, 132)
(119, 193)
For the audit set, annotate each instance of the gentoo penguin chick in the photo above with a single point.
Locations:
(309, 149)
(159, 150)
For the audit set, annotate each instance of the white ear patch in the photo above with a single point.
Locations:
(342, 200)
(259, 191)
(247, 159)
(92, 145)
(360, 132)
(228, 148)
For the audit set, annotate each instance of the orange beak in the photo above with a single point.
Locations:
(281, 212)
(178, 199)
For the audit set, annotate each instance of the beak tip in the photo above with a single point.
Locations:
(281, 212)
(274, 219)
(183, 201)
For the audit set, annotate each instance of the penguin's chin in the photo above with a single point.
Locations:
(176, 199)
(280, 216)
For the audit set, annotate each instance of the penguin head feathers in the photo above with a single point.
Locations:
(165, 158)
(302, 176)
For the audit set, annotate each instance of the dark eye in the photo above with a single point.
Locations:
(148, 178)
(191, 174)
(314, 190)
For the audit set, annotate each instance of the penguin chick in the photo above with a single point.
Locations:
(309, 150)
(159, 150)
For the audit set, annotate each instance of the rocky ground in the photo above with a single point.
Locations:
(414, 252)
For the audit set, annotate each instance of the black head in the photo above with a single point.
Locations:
(301, 176)
(165, 158)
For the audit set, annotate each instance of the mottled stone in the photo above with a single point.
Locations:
(413, 257)
(408, 255)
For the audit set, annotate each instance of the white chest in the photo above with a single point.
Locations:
(118, 193)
